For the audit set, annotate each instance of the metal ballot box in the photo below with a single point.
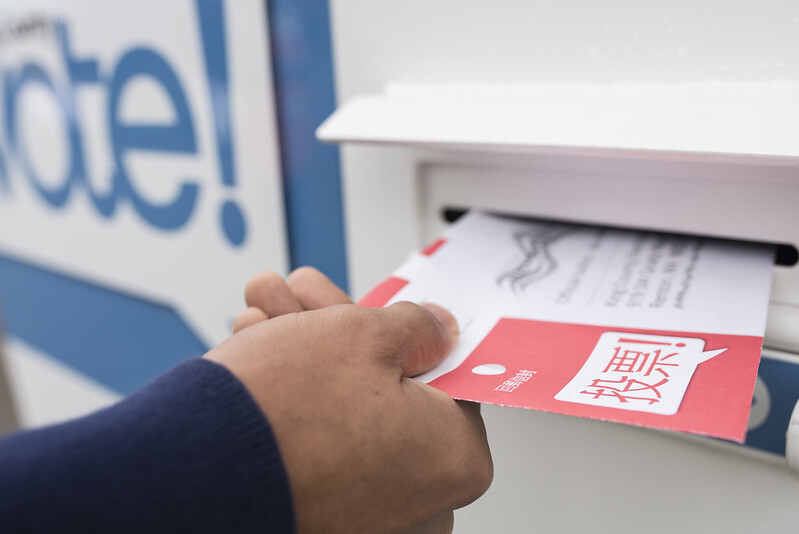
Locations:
(676, 117)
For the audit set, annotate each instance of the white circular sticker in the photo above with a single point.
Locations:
(489, 369)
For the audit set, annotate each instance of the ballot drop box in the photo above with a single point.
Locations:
(676, 117)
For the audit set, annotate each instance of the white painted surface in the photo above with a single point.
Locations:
(728, 121)
(562, 474)
(46, 391)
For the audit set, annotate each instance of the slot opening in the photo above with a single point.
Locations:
(786, 254)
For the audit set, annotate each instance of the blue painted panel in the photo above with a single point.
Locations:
(123, 341)
(119, 340)
(303, 74)
(782, 382)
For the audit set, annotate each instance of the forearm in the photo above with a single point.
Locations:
(189, 452)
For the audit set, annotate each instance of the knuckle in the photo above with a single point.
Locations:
(411, 317)
(405, 324)
(363, 328)
(239, 322)
(418, 326)
(355, 319)
(260, 283)
(406, 307)
(473, 481)
(473, 468)
(305, 272)
(378, 329)
(485, 474)
(248, 317)
(377, 332)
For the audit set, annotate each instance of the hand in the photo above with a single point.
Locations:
(367, 449)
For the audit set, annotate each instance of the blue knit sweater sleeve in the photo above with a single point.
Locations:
(190, 452)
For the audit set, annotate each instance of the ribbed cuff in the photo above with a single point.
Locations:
(190, 452)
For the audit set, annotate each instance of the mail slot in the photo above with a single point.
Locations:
(638, 115)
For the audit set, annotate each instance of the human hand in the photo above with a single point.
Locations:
(366, 448)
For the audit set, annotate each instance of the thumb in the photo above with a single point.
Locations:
(425, 335)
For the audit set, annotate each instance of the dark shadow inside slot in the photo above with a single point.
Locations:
(786, 254)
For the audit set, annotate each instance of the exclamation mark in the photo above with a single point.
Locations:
(4, 184)
(211, 15)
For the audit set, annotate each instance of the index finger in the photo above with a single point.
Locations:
(314, 290)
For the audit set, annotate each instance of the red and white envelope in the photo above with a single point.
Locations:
(640, 328)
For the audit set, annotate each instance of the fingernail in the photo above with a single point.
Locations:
(444, 317)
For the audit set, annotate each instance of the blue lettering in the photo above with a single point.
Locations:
(81, 72)
(5, 185)
(30, 73)
(176, 137)
(211, 16)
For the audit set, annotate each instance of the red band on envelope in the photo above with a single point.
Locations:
(382, 293)
(536, 359)
(430, 249)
